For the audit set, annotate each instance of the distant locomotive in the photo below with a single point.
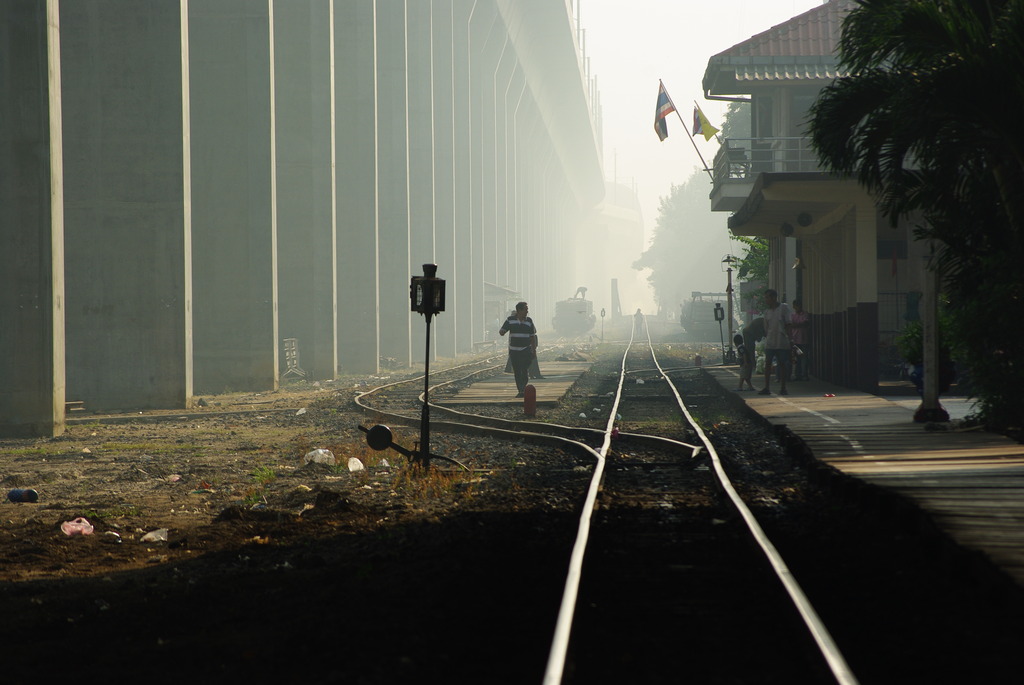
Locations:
(574, 316)
(698, 317)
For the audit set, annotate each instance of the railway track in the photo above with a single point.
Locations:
(663, 539)
(671, 545)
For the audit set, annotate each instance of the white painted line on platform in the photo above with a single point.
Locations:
(809, 411)
(853, 443)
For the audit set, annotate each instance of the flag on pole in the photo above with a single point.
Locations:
(665, 107)
(701, 125)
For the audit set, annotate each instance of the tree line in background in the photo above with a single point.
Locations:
(928, 120)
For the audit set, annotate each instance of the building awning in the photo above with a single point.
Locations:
(756, 69)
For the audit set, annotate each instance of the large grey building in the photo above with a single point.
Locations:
(185, 184)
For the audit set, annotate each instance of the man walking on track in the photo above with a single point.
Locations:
(522, 344)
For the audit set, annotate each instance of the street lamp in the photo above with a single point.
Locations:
(729, 260)
(427, 295)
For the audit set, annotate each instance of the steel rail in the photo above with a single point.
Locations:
(563, 624)
(829, 650)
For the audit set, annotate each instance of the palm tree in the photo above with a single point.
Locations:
(928, 120)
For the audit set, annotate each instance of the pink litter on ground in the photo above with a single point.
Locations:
(79, 526)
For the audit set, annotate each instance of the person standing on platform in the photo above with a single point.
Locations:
(522, 344)
(800, 334)
(751, 334)
(746, 362)
(777, 346)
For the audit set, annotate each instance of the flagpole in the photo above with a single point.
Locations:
(688, 134)
(693, 142)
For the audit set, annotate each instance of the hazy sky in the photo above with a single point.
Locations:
(633, 43)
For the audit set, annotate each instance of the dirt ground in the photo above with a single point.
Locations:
(271, 567)
(277, 569)
(198, 475)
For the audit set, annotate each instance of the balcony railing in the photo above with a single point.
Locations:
(740, 160)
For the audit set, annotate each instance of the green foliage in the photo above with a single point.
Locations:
(929, 122)
(737, 121)
(753, 265)
(263, 475)
(910, 341)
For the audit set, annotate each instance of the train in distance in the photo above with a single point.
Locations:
(575, 315)
(697, 317)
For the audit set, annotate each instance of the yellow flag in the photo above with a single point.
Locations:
(701, 125)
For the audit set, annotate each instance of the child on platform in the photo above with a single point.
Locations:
(746, 358)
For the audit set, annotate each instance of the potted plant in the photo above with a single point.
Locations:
(910, 343)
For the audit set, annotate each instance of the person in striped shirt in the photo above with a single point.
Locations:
(522, 344)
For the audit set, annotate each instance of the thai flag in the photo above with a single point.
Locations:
(665, 107)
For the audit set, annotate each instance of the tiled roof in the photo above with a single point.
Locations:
(801, 48)
(811, 34)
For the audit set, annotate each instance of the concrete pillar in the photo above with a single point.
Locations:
(513, 236)
(306, 243)
(490, 63)
(866, 284)
(503, 71)
(442, 78)
(31, 223)
(233, 196)
(126, 203)
(355, 131)
(467, 296)
(394, 259)
(486, 38)
(420, 122)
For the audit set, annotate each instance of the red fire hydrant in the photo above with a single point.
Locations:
(530, 400)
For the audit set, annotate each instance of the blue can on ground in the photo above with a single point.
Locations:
(23, 495)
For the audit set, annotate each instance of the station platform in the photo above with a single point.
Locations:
(969, 482)
(558, 377)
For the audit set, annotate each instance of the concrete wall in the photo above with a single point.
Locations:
(356, 186)
(233, 223)
(125, 214)
(393, 232)
(306, 238)
(243, 171)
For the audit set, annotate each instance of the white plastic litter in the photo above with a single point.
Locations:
(300, 412)
(78, 526)
(158, 535)
(320, 456)
(355, 465)
(582, 415)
